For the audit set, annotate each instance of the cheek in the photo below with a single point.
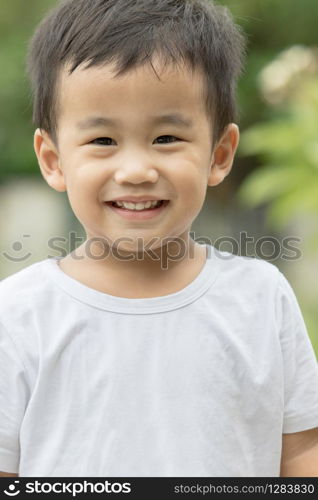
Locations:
(84, 197)
(190, 178)
(84, 178)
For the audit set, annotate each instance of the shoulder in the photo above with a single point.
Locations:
(23, 297)
(243, 272)
(21, 290)
(22, 280)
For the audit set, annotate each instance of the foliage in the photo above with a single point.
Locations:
(17, 19)
(288, 149)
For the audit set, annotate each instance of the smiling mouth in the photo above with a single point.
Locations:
(134, 209)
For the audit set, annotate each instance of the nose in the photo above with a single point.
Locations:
(135, 169)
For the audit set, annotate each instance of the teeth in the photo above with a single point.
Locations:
(137, 206)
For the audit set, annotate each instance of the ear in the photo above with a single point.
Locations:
(223, 155)
(49, 160)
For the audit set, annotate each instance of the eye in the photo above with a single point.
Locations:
(102, 141)
(167, 139)
(108, 141)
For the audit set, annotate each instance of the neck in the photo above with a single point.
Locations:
(144, 258)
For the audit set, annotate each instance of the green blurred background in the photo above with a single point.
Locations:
(272, 191)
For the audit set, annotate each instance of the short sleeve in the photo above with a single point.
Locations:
(14, 393)
(299, 363)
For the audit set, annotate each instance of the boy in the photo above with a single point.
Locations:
(143, 353)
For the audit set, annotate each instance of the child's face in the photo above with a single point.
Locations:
(140, 153)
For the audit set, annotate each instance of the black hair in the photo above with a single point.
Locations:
(129, 33)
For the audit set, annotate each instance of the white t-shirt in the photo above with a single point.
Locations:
(201, 382)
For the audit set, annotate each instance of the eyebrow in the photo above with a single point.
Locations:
(100, 121)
